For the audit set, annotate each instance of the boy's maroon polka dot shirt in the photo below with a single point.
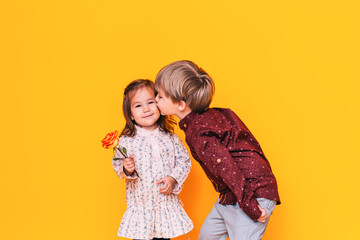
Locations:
(231, 158)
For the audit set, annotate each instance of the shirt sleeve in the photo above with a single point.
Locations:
(118, 164)
(182, 164)
(217, 159)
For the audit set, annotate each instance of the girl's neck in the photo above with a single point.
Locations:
(146, 129)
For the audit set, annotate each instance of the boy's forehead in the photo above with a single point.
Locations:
(159, 89)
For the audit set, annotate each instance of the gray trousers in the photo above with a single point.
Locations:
(230, 221)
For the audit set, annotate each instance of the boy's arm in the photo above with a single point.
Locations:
(182, 164)
(219, 162)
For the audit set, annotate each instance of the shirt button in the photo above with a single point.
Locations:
(219, 160)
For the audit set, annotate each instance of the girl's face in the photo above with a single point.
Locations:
(143, 108)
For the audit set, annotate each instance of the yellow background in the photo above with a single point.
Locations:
(289, 69)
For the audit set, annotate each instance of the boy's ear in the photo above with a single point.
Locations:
(181, 105)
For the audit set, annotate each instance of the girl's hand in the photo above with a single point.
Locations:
(168, 186)
(129, 165)
(263, 217)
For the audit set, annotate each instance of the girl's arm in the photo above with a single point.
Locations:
(182, 164)
(118, 165)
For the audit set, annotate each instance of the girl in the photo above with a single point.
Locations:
(154, 172)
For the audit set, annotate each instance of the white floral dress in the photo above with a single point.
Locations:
(151, 214)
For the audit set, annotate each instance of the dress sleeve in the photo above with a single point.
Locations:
(182, 164)
(117, 162)
(218, 160)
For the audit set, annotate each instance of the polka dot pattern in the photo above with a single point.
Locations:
(231, 158)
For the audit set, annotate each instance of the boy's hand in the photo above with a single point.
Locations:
(168, 186)
(263, 217)
(129, 165)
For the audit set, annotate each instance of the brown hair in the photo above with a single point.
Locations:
(166, 123)
(186, 81)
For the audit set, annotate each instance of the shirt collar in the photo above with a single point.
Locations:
(143, 132)
(185, 122)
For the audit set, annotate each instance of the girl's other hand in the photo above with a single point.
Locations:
(168, 186)
(129, 165)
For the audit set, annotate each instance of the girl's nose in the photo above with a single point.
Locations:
(146, 109)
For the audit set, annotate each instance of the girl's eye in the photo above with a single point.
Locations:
(137, 106)
(151, 102)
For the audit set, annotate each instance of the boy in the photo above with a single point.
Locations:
(226, 150)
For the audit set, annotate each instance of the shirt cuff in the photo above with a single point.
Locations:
(252, 210)
(177, 187)
(132, 176)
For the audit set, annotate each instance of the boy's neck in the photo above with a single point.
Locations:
(183, 113)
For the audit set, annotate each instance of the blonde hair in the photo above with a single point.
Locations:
(166, 123)
(185, 81)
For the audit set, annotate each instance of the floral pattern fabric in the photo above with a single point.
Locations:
(151, 214)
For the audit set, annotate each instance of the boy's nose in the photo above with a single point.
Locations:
(156, 98)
